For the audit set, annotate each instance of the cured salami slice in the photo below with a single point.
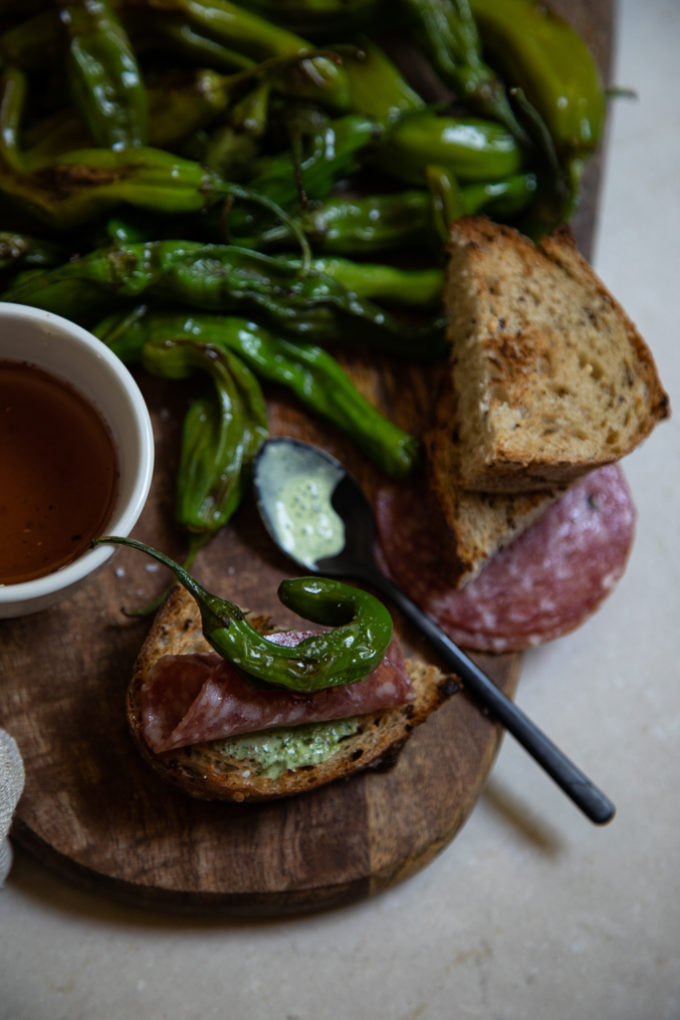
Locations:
(188, 699)
(543, 585)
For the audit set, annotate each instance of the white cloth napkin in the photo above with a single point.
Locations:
(11, 786)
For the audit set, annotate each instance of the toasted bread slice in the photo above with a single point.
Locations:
(551, 377)
(222, 770)
(479, 524)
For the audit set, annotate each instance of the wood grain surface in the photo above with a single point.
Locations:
(92, 809)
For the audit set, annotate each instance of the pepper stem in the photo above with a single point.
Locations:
(215, 612)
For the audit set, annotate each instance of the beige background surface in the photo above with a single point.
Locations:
(531, 912)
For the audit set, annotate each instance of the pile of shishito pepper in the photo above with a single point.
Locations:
(230, 188)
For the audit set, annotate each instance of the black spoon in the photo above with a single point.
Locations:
(317, 513)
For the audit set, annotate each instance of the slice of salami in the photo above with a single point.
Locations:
(543, 585)
(188, 699)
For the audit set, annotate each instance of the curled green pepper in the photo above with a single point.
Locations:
(209, 487)
(348, 653)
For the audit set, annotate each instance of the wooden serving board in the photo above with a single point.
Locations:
(94, 811)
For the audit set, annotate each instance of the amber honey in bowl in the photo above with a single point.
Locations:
(58, 473)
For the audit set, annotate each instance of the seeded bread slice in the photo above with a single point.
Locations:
(209, 771)
(479, 524)
(551, 377)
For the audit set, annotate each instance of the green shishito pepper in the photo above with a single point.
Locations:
(331, 146)
(364, 224)
(225, 24)
(471, 148)
(308, 371)
(540, 53)
(450, 38)
(81, 186)
(348, 653)
(226, 278)
(106, 83)
(220, 436)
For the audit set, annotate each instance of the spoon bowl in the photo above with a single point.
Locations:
(317, 513)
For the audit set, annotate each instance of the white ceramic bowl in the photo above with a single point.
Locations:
(69, 352)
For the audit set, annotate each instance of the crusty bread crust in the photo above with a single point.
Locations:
(548, 379)
(206, 772)
(551, 377)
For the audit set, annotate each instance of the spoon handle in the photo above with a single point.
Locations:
(576, 785)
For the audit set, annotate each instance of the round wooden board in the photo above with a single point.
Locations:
(93, 810)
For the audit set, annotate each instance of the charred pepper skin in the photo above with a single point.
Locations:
(345, 655)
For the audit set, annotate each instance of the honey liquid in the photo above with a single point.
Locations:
(58, 473)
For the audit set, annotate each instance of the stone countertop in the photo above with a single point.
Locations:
(531, 911)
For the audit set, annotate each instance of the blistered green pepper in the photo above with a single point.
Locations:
(366, 224)
(502, 199)
(361, 224)
(348, 653)
(326, 149)
(220, 437)
(540, 53)
(308, 371)
(106, 82)
(471, 148)
(449, 36)
(213, 277)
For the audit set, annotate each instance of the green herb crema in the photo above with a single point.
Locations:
(271, 753)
